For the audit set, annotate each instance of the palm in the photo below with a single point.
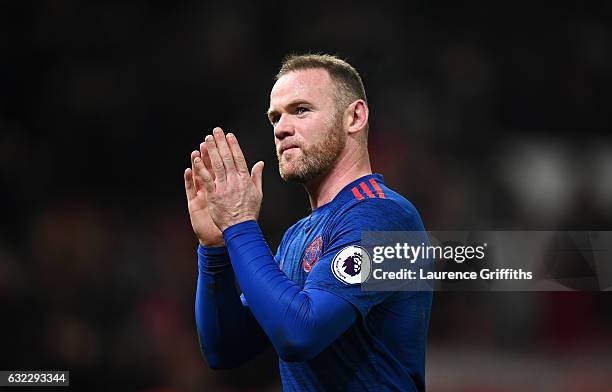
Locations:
(203, 226)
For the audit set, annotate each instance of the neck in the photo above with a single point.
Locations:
(349, 167)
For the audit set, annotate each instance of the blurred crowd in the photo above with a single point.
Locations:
(486, 117)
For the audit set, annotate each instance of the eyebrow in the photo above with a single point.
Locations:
(270, 112)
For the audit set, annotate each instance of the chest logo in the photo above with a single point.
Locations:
(312, 254)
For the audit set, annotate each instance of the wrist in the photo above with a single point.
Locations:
(212, 260)
(212, 244)
(236, 221)
(238, 229)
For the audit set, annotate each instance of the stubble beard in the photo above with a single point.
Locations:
(317, 159)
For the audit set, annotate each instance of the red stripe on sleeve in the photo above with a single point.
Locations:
(367, 190)
(358, 195)
(379, 191)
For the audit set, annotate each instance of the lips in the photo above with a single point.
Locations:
(286, 147)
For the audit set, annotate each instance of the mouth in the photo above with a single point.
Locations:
(286, 148)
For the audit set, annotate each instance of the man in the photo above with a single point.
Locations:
(307, 300)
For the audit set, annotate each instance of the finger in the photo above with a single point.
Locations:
(194, 154)
(224, 151)
(195, 173)
(257, 176)
(204, 175)
(239, 160)
(215, 158)
(190, 189)
(206, 159)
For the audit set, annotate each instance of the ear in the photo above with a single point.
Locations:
(357, 115)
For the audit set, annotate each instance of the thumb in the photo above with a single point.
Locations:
(257, 175)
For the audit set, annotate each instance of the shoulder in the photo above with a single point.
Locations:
(392, 212)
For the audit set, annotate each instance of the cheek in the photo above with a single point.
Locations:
(312, 129)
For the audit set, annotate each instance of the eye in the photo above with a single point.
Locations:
(300, 110)
(274, 119)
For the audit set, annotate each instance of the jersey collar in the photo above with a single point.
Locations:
(347, 193)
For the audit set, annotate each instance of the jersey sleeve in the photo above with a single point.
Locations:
(344, 238)
(245, 303)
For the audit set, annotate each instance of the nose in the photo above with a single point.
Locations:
(284, 127)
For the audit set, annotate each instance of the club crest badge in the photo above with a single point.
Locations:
(351, 265)
(312, 254)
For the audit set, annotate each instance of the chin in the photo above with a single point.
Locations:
(288, 174)
(301, 175)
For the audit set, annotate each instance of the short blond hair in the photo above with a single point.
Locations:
(348, 82)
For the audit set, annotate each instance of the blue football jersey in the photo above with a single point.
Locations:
(385, 348)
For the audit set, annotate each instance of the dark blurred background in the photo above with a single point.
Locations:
(487, 116)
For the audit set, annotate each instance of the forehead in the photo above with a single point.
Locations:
(308, 84)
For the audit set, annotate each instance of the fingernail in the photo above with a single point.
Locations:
(230, 134)
(197, 160)
(208, 138)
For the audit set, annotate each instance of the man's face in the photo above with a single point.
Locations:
(308, 129)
